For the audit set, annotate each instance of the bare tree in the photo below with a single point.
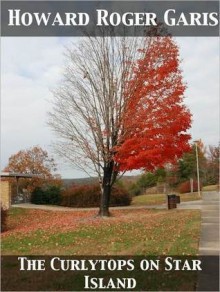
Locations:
(88, 107)
(212, 165)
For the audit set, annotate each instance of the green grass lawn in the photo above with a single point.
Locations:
(126, 233)
(210, 188)
(156, 199)
(133, 232)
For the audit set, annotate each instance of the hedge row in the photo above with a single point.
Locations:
(49, 196)
(89, 196)
(78, 196)
(185, 187)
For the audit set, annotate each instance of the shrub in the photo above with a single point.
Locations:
(51, 195)
(185, 187)
(135, 190)
(145, 181)
(119, 197)
(89, 196)
(210, 180)
(4, 215)
(37, 196)
(80, 196)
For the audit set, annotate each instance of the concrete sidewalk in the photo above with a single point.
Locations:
(209, 243)
(209, 240)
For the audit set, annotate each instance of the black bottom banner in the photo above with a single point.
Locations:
(116, 273)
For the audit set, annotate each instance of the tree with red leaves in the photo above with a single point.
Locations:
(120, 107)
(155, 118)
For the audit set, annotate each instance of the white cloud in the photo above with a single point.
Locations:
(32, 66)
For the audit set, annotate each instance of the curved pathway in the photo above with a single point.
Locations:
(71, 209)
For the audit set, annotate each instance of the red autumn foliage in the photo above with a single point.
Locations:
(155, 120)
(89, 196)
(185, 187)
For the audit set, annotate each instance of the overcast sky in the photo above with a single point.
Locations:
(31, 67)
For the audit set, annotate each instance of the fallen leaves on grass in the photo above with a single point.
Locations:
(34, 219)
(82, 232)
(53, 221)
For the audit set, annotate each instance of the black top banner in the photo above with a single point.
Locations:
(109, 18)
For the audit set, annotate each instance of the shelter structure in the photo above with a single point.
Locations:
(5, 186)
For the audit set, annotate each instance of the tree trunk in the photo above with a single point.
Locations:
(105, 199)
(106, 190)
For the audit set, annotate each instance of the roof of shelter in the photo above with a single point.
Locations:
(19, 175)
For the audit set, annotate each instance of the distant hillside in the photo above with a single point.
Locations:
(130, 178)
(94, 180)
(79, 181)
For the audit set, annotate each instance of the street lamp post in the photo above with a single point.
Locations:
(197, 167)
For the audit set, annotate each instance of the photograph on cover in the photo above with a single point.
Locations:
(109, 146)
